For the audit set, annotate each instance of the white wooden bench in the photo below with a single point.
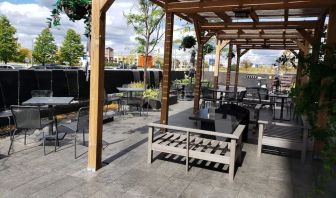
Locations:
(283, 135)
(188, 143)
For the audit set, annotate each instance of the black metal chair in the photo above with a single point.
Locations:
(208, 97)
(189, 91)
(110, 99)
(41, 93)
(29, 118)
(81, 125)
(4, 112)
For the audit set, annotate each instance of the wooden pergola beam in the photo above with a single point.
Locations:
(251, 42)
(306, 35)
(270, 47)
(222, 15)
(260, 25)
(259, 36)
(254, 16)
(229, 5)
(244, 52)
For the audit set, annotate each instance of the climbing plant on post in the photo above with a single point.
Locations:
(146, 22)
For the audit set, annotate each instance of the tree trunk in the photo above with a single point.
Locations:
(145, 63)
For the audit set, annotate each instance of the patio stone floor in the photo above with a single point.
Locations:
(27, 173)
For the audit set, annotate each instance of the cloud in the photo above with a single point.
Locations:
(29, 18)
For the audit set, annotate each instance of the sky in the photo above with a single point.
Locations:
(29, 19)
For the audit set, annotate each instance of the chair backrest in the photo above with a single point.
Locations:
(189, 88)
(83, 119)
(252, 93)
(225, 123)
(26, 117)
(207, 93)
(2, 98)
(41, 93)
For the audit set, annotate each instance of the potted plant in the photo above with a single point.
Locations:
(153, 99)
(188, 42)
(74, 9)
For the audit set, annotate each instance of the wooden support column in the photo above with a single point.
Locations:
(197, 92)
(167, 63)
(237, 69)
(228, 70)
(220, 45)
(322, 117)
(97, 84)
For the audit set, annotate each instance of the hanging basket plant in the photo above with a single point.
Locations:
(74, 9)
(188, 42)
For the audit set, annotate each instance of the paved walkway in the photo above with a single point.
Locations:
(27, 173)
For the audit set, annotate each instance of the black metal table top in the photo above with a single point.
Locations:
(40, 101)
(130, 89)
(209, 115)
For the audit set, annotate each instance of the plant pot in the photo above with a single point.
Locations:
(77, 13)
(153, 104)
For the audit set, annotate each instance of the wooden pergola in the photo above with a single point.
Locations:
(295, 25)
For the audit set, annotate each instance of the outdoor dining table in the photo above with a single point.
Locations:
(50, 101)
(283, 97)
(130, 90)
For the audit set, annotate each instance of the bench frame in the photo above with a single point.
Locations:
(235, 145)
(280, 142)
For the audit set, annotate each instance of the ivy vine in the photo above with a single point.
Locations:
(74, 9)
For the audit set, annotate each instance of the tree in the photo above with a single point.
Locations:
(45, 48)
(72, 48)
(23, 55)
(246, 63)
(8, 42)
(286, 60)
(146, 22)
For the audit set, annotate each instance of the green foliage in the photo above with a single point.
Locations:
(151, 93)
(72, 48)
(136, 85)
(8, 42)
(23, 55)
(188, 42)
(45, 48)
(308, 103)
(75, 10)
(184, 80)
(208, 49)
(146, 22)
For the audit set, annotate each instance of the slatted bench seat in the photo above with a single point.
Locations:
(188, 143)
(283, 135)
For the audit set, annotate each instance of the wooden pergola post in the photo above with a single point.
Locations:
(99, 8)
(167, 63)
(228, 70)
(237, 69)
(220, 45)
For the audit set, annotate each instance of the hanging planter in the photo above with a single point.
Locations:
(75, 9)
(188, 42)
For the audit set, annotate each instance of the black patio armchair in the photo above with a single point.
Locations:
(29, 118)
(41, 93)
(80, 125)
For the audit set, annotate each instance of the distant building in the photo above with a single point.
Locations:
(109, 52)
(125, 59)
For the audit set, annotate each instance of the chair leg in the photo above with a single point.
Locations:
(56, 140)
(75, 144)
(12, 135)
(83, 138)
(44, 152)
(25, 137)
